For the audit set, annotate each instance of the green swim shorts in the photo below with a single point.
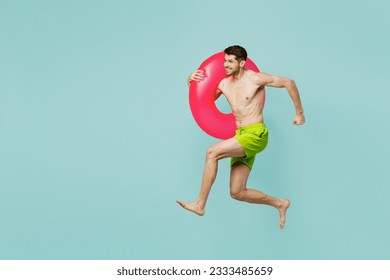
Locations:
(253, 138)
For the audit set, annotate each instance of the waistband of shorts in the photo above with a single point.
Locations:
(253, 125)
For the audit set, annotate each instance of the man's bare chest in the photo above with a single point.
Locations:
(240, 93)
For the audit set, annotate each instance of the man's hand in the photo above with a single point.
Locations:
(196, 76)
(299, 119)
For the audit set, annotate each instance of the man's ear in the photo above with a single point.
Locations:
(242, 63)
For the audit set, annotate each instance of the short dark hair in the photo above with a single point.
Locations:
(238, 51)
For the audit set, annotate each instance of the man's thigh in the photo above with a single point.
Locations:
(239, 174)
(228, 148)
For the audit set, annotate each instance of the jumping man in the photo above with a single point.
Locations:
(244, 90)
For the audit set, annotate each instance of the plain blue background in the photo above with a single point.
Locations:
(97, 140)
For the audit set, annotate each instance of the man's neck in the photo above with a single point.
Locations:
(239, 75)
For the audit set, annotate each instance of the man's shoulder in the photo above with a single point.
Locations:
(252, 73)
(249, 71)
(253, 76)
(224, 81)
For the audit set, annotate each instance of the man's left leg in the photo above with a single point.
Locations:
(238, 179)
(228, 148)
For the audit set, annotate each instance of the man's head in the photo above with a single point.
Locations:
(235, 57)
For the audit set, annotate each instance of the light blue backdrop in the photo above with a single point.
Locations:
(97, 140)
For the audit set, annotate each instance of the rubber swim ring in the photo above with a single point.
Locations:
(202, 103)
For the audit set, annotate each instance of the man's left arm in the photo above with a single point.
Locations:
(276, 81)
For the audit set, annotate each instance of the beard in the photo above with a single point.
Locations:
(229, 72)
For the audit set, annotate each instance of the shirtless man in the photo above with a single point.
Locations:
(244, 90)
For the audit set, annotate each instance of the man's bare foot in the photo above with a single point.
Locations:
(282, 211)
(193, 207)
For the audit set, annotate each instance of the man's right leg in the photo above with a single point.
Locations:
(224, 149)
(238, 178)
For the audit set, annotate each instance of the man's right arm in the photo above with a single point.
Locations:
(197, 76)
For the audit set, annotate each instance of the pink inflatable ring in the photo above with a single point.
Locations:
(202, 103)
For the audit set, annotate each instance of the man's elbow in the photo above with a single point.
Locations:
(290, 84)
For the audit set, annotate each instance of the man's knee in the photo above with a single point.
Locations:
(212, 152)
(238, 195)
